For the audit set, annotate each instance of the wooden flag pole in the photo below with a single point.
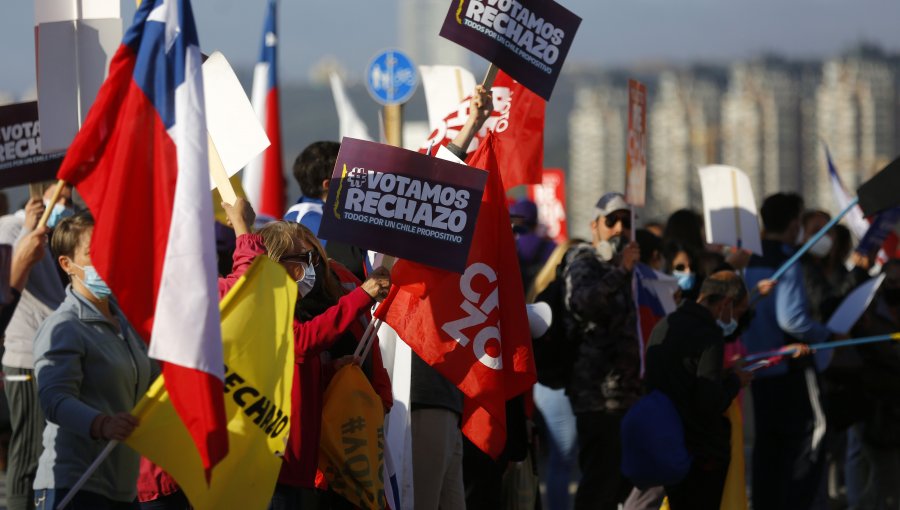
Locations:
(56, 194)
(490, 76)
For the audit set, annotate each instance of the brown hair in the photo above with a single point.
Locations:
(280, 237)
(69, 233)
(721, 285)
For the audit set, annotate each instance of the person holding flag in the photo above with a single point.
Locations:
(92, 368)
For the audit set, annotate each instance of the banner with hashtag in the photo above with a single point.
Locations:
(351, 454)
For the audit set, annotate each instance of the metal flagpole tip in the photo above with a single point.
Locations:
(540, 316)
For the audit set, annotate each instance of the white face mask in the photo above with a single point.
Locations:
(822, 247)
(305, 284)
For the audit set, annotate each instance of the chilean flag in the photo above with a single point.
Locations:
(653, 295)
(263, 179)
(140, 162)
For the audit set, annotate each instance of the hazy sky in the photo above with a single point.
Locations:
(614, 32)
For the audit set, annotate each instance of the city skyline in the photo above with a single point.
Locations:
(771, 117)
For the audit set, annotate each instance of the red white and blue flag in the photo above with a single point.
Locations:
(140, 162)
(653, 296)
(263, 178)
(855, 219)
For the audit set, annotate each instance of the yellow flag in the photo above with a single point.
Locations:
(351, 452)
(257, 335)
(734, 497)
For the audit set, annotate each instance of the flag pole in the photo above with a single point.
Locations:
(138, 412)
(490, 76)
(784, 351)
(56, 194)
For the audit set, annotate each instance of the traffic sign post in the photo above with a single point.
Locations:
(391, 80)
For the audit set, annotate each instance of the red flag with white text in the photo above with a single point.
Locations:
(518, 125)
(472, 328)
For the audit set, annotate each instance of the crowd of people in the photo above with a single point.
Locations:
(74, 367)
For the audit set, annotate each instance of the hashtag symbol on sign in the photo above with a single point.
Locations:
(353, 425)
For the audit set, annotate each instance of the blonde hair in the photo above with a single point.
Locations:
(280, 237)
(548, 272)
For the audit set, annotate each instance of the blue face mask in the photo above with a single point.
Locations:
(305, 285)
(728, 328)
(57, 214)
(95, 285)
(685, 279)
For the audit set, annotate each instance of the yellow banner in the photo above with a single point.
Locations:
(257, 335)
(351, 453)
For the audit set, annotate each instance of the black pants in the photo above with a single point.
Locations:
(701, 489)
(602, 485)
(787, 470)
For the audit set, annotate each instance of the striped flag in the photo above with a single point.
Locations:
(855, 219)
(653, 296)
(140, 162)
(263, 178)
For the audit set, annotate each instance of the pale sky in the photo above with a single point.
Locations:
(613, 33)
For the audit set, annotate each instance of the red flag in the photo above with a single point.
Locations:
(472, 328)
(140, 163)
(518, 125)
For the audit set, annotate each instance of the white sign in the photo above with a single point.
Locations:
(853, 306)
(729, 209)
(233, 126)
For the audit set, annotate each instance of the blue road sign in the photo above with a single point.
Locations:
(391, 77)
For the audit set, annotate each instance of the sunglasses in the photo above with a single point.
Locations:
(611, 219)
(300, 258)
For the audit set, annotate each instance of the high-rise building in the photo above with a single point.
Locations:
(683, 127)
(761, 124)
(420, 24)
(857, 116)
(597, 130)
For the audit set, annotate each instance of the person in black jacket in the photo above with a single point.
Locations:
(685, 362)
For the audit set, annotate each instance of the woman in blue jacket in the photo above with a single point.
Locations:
(91, 369)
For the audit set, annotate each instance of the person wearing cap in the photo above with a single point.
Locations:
(606, 373)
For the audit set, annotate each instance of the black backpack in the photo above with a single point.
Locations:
(556, 350)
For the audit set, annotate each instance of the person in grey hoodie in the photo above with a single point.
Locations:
(42, 294)
(91, 368)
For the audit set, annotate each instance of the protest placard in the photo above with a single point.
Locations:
(21, 160)
(853, 306)
(550, 197)
(235, 133)
(636, 155)
(729, 209)
(403, 203)
(74, 43)
(528, 39)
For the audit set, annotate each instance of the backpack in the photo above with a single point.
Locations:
(654, 452)
(555, 351)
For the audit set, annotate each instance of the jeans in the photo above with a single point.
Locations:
(562, 442)
(49, 499)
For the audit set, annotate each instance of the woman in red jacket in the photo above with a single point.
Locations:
(326, 312)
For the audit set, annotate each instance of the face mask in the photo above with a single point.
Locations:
(58, 212)
(891, 296)
(685, 279)
(95, 285)
(727, 327)
(305, 284)
(609, 248)
(822, 247)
